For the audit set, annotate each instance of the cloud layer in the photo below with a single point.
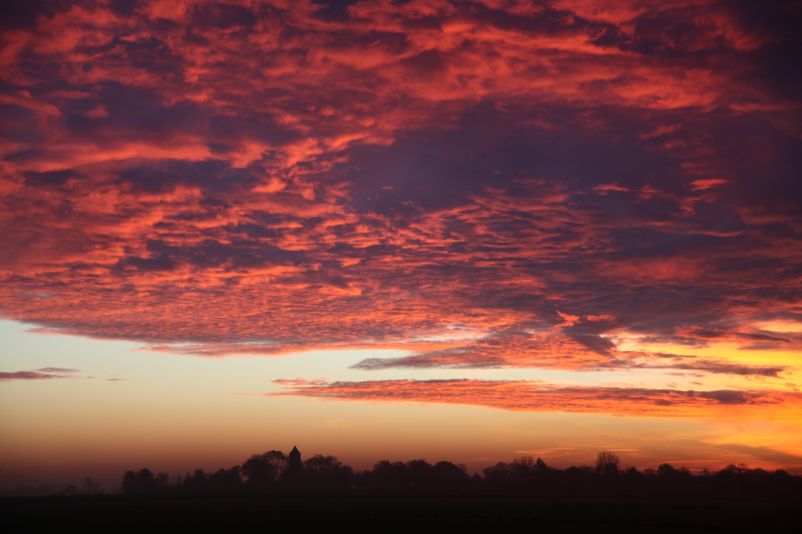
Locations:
(564, 185)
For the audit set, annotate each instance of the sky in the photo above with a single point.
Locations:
(413, 229)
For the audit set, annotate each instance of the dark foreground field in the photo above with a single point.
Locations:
(112, 513)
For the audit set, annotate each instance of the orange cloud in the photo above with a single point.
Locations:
(536, 396)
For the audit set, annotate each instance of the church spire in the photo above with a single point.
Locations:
(294, 458)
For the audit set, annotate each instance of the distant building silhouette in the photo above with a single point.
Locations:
(294, 462)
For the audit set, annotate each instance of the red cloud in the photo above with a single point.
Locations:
(230, 177)
(538, 397)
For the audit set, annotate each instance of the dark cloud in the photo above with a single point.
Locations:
(23, 15)
(764, 453)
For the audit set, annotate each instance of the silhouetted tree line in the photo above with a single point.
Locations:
(88, 487)
(608, 479)
(272, 472)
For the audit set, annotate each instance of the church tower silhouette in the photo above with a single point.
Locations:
(294, 459)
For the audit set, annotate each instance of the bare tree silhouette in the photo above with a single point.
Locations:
(607, 463)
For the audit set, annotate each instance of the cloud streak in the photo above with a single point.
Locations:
(45, 373)
(540, 397)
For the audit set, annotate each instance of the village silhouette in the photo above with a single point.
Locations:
(276, 472)
(322, 492)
